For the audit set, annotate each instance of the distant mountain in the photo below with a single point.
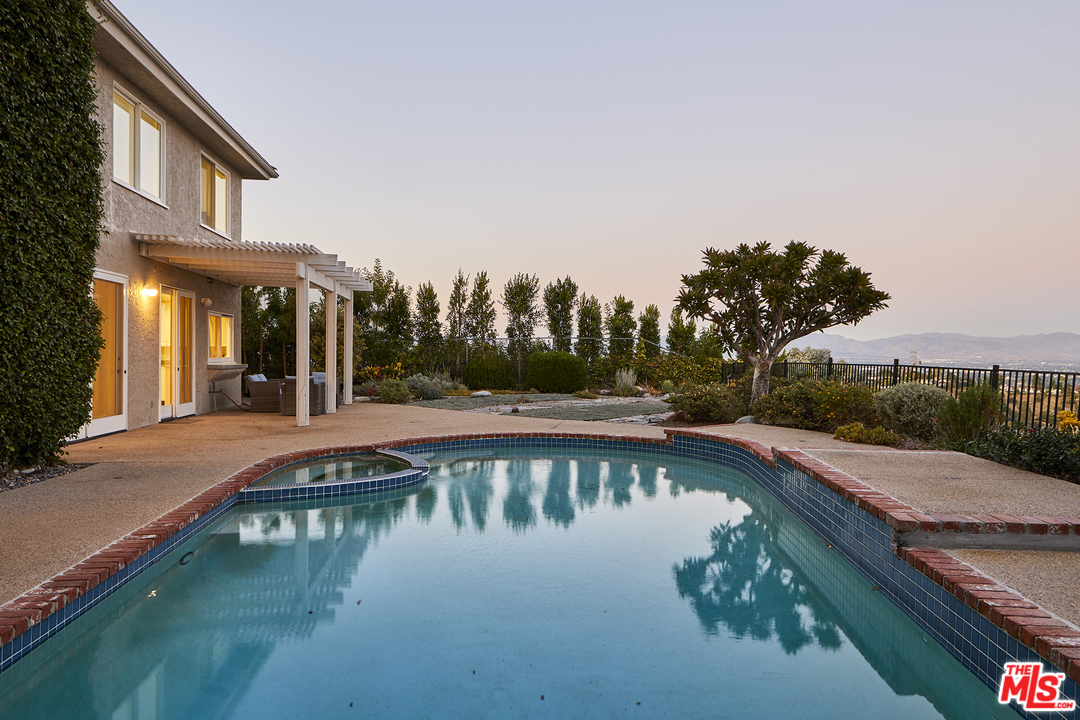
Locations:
(1035, 352)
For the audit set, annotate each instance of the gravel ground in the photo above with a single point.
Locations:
(22, 479)
(605, 411)
(466, 402)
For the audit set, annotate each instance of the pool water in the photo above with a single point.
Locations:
(558, 585)
(335, 470)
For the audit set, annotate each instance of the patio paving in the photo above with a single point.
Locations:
(137, 476)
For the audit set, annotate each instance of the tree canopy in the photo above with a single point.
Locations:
(760, 300)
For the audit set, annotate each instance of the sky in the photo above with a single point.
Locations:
(936, 144)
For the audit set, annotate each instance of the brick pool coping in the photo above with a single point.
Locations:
(1051, 638)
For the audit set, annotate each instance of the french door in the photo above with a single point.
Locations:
(176, 321)
(109, 410)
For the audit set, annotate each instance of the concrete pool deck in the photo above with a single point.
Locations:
(139, 475)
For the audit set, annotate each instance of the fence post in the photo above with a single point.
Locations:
(994, 377)
(785, 370)
(895, 371)
(828, 368)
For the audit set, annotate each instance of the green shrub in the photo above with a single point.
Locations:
(394, 391)
(50, 208)
(910, 409)
(699, 403)
(489, 372)
(626, 382)
(1049, 451)
(667, 387)
(425, 388)
(557, 372)
(815, 405)
(858, 433)
(585, 395)
(975, 411)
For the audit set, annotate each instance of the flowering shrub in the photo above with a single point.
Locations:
(1068, 422)
(1047, 451)
(699, 403)
(815, 405)
(378, 373)
(858, 433)
(394, 391)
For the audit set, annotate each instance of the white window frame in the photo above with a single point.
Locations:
(136, 147)
(215, 166)
(232, 338)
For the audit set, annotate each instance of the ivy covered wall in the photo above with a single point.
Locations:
(50, 211)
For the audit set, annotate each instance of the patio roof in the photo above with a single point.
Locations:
(254, 263)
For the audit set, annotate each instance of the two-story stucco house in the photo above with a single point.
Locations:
(172, 259)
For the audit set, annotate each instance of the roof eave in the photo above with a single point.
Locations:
(119, 43)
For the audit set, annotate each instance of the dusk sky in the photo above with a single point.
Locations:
(937, 144)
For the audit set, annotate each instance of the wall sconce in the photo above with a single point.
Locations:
(207, 302)
(149, 292)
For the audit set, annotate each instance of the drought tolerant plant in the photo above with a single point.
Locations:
(856, 432)
(667, 387)
(910, 409)
(557, 372)
(626, 382)
(394, 391)
(975, 411)
(424, 387)
(759, 301)
(705, 403)
(50, 209)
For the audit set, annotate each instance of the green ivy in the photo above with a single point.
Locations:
(50, 212)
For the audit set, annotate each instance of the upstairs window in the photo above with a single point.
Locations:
(214, 199)
(138, 145)
(221, 332)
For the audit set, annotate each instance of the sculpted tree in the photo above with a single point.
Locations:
(760, 300)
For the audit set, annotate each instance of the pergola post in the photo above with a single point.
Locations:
(348, 368)
(331, 351)
(303, 346)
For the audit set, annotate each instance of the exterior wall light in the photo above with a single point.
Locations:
(150, 292)
(207, 302)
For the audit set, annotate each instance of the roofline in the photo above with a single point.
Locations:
(126, 40)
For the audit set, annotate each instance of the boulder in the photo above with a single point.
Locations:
(481, 393)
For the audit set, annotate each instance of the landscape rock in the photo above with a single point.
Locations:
(747, 419)
(481, 393)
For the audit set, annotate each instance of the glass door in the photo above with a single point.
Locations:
(109, 409)
(176, 334)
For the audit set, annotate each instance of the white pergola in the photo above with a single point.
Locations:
(277, 265)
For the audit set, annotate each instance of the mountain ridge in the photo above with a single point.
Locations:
(1061, 348)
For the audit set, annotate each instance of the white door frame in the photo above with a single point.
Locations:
(113, 423)
(177, 409)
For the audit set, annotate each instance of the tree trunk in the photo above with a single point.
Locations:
(761, 380)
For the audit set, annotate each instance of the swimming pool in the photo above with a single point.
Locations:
(560, 582)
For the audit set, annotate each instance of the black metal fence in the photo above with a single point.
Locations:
(1029, 398)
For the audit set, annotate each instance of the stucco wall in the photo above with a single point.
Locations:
(128, 211)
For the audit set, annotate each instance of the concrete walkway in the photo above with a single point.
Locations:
(137, 476)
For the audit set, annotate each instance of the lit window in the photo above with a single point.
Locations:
(214, 199)
(220, 337)
(138, 139)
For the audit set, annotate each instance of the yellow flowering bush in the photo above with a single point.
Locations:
(1068, 422)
